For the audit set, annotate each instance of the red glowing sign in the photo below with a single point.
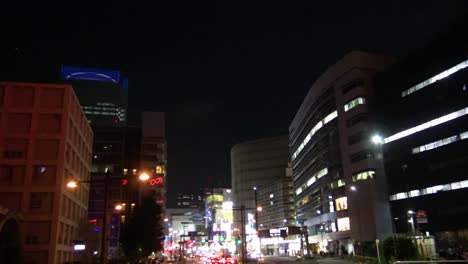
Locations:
(156, 181)
(124, 182)
(93, 220)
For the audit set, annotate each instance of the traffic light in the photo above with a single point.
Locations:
(239, 241)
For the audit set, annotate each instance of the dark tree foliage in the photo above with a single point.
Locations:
(405, 248)
(144, 232)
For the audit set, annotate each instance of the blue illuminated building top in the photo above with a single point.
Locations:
(92, 74)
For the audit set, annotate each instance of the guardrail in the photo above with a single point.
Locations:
(429, 261)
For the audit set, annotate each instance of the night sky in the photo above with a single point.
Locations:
(223, 72)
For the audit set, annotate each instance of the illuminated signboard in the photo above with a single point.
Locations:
(90, 74)
(156, 181)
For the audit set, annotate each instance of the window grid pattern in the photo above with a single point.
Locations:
(314, 130)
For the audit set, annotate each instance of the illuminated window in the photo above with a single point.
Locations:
(333, 227)
(343, 224)
(305, 200)
(341, 203)
(272, 195)
(159, 169)
(298, 191)
(125, 171)
(435, 78)
(124, 206)
(332, 206)
(341, 183)
(364, 176)
(440, 143)
(122, 218)
(134, 171)
(353, 103)
(429, 124)
(314, 130)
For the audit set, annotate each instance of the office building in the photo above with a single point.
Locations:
(45, 141)
(423, 109)
(103, 93)
(277, 215)
(339, 184)
(256, 163)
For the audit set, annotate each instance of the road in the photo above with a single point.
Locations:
(289, 260)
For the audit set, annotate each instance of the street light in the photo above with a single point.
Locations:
(166, 219)
(353, 188)
(72, 184)
(259, 208)
(377, 139)
(118, 207)
(144, 176)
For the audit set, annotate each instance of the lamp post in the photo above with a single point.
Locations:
(379, 141)
(73, 184)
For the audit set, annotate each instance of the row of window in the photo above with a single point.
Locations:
(440, 143)
(314, 130)
(353, 103)
(337, 184)
(312, 180)
(435, 78)
(429, 124)
(430, 190)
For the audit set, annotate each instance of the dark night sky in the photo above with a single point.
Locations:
(225, 72)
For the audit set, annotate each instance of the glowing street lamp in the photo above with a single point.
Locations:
(353, 188)
(166, 219)
(377, 139)
(144, 176)
(259, 208)
(118, 207)
(72, 184)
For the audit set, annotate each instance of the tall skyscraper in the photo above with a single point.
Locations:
(103, 93)
(340, 186)
(45, 141)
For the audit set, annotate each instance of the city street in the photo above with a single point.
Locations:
(281, 260)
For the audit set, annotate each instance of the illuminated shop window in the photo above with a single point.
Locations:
(341, 203)
(353, 103)
(343, 224)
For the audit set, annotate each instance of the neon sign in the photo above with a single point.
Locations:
(156, 181)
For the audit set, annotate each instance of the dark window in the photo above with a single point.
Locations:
(357, 137)
(13, 154)
(35, 200)
(363, 117)
(6, 174)
(351, 85)
(361, 155)
(32, 239)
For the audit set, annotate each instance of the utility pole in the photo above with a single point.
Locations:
(105, 231)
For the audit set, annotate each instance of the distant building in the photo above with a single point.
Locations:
(219, 215)
(339, 183)
(45, 141)
(277, 214)
(190, 200)
(423, 105)
(103, 93)
(256, 163)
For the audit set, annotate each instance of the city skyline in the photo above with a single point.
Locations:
(215, 75)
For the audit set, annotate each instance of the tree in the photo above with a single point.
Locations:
(144, 233)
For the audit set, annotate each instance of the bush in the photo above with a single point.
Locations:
(405, 249)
